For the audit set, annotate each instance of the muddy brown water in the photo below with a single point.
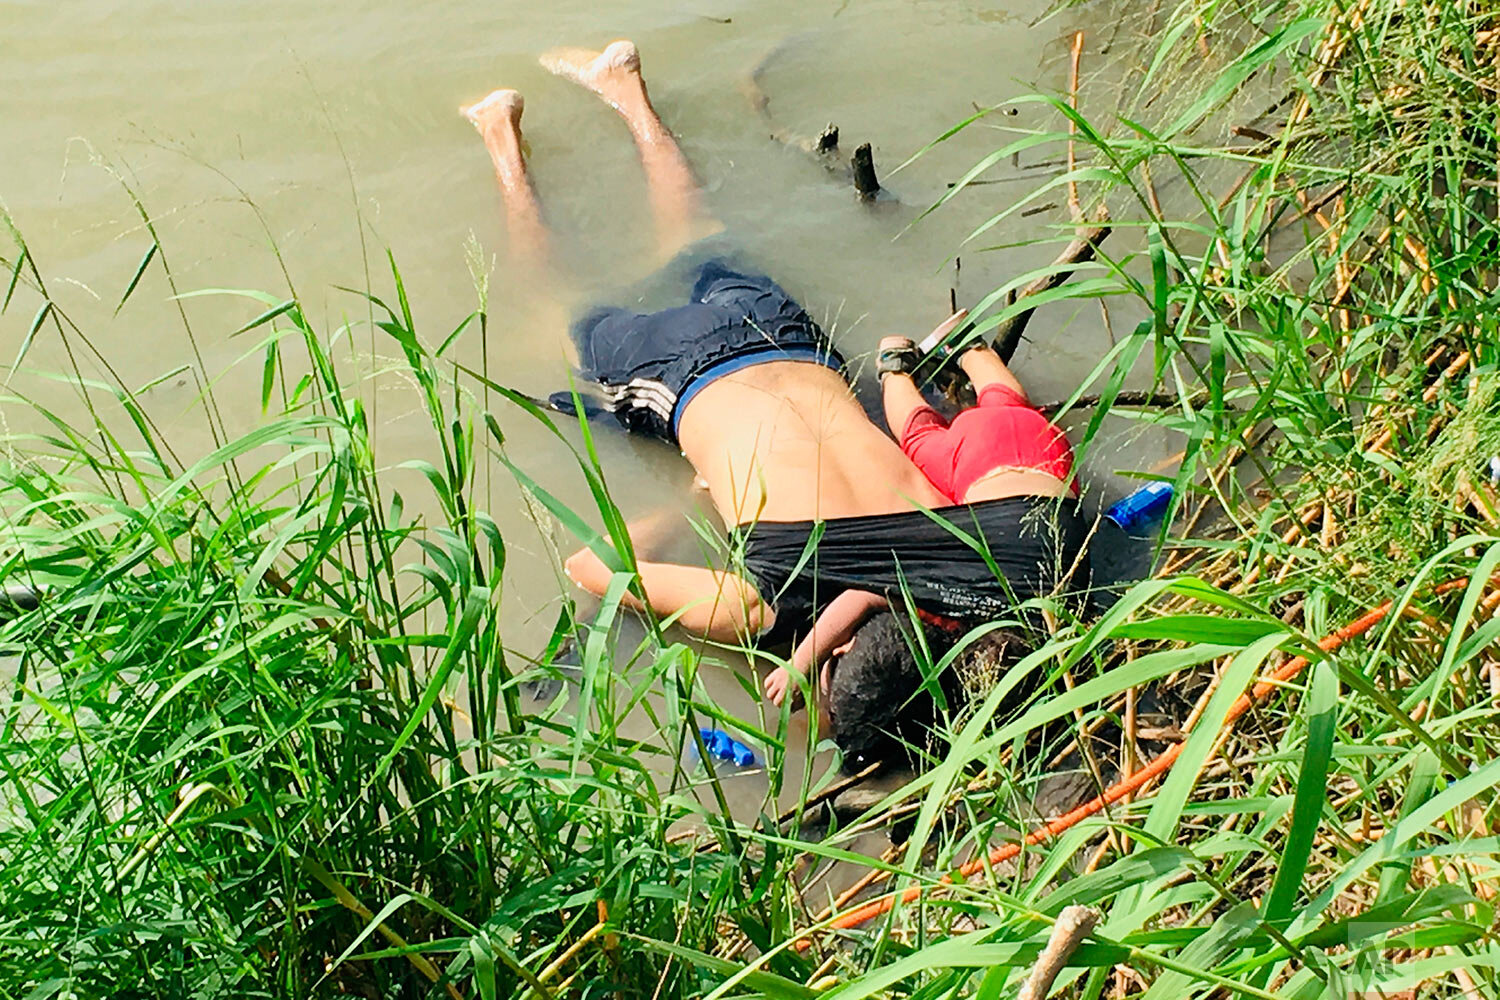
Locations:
(332, 134)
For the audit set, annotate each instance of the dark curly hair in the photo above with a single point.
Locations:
(881, 708)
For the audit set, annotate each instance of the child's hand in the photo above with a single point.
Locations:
(776, 684)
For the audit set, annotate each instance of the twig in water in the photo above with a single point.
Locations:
(1246, 132)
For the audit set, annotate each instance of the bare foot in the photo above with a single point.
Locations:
(612, 74)
(500, 107)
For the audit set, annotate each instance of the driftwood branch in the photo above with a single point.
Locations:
(1085, 244)
(1145, 400)
(1073, 925)
(1084, 248)
(825, 146)
(832, 791)
(863, 166)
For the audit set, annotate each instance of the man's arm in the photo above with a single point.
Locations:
(720, 605)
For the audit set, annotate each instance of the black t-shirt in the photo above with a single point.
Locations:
(971, 562)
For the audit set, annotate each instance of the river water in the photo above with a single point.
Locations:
(331, 132)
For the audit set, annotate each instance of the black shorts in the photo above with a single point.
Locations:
(649, 365)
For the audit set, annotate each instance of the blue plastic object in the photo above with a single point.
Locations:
(1142, 507)
(726, 748)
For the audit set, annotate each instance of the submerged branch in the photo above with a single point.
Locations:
(1083, 248)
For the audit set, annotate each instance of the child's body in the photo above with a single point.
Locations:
(1001, 447)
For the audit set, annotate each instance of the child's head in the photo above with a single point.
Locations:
(876, 699)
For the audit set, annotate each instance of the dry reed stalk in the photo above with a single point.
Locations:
(740, 946)
(1316, 204)
(555, 966)
(1285, 570)
(1343, 274)
(1130, 754)
(1150, 186)
(1202, 703)
(1328, 53)
(1309, 210)
(1075, 208)
(1418, 255)
(1078, 720)
(1469, 496)
(1487, 500)
(1428, 395)
(1084, 730)
(823, 969)
(1239, 182)
(1100, 852)
(1471, 990)
(889, 856)
(1379, 409)
(1073, 925)
(1287, 537)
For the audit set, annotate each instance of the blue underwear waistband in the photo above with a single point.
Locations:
(816, 355)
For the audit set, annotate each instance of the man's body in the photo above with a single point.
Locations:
(741, 378)
(787, 441)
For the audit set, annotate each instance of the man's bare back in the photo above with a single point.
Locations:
(787, 441)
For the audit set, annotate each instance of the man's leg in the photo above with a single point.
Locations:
(498, 119)
(984, 368)
(615, 75)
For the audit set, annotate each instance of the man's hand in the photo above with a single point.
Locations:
(588, 571)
